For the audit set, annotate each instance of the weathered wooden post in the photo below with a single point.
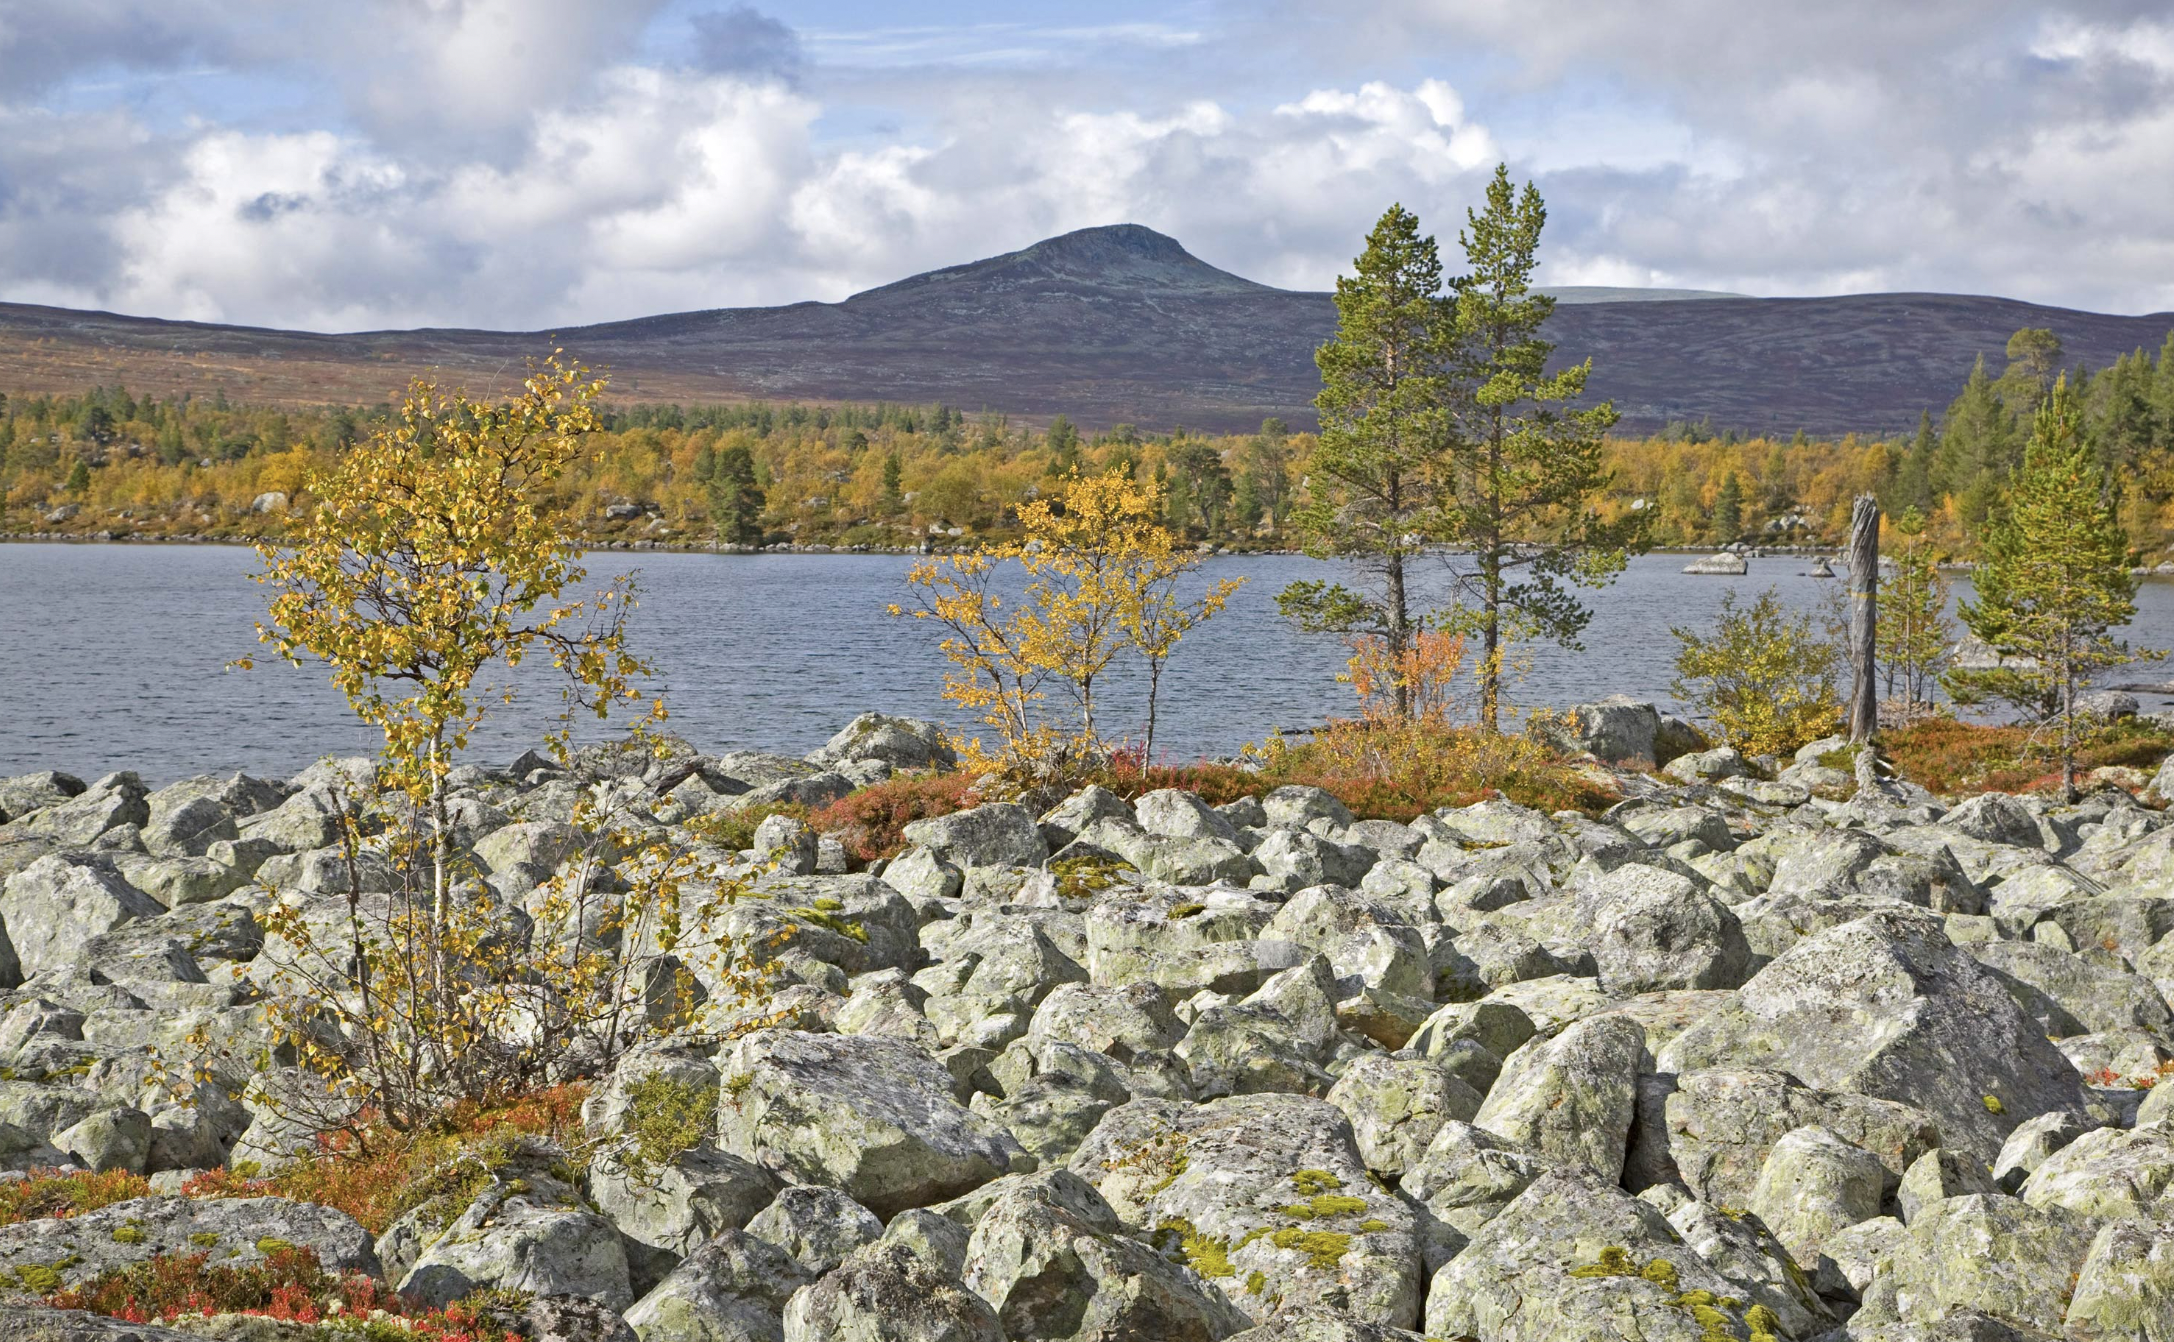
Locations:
(1864, 618)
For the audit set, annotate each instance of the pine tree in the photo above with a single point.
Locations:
(1528, 462)
(1729, 510)
(1977, 448)
(1377, 473)
(2053, 580)
(736, 500)
(79, 478)
(894, 474)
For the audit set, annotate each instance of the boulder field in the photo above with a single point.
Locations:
(1759, 1053)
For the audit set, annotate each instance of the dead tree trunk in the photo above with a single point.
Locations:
(1864, 618)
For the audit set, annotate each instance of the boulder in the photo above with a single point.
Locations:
(1570, 1098)
(1997, 1255)
(1886, 1006)
(2126, 1286)
(1713, 1130)
(731, 1289)
(1657, 930)
(1050, 1256)
(1814, 1184)
(817, 1227)
(999, 834)
(1265, 1196)
(1397, 1105)
(239, 1231)
(1617, 729)
(1572, 1259)
(50, 908)
(887, 1293)
(902, 743)
(2107, 1174)
(873, 1117)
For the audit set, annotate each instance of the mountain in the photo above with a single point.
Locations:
(1111, 324)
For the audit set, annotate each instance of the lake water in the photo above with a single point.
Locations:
(114, 657)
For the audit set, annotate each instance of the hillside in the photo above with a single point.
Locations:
(1108, 324)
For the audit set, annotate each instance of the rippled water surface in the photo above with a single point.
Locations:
(114, 657)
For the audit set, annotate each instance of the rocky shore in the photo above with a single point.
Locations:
(1791, 1053)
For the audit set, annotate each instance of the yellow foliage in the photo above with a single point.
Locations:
(1101, 573)
(430, 557)
(1767, 679)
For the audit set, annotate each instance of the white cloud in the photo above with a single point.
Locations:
(512, 163)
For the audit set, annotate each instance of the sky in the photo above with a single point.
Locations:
(537, 164)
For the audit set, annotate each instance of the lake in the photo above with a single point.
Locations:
(115, 657)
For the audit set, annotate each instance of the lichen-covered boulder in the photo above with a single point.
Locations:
(874, 1117)
(53, 906)
(817, 1227)
(1814, 1184)
(668, 1209)
(1886, 1006)
(515, 1241)
(1655, 929)
(1998, 1255)
(885, 1292)
(2109, 1173)
(1396, 1105)
(1937, 1175)
(1050, 1256)
(45, 1254)
(999, 834)
(1573, 1259)
(2126, 1286)
(1265, 1196)
(1570, 1099)
(732, 1289)
(1760, 1268)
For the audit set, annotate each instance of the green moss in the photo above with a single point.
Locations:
(1310, 1182)
(1188, 910)
(827, 905)
(816, 916)
(203, 1239)
(666, 1117)
(1764, 1323)
(270, 1245)
(128, 1235)
(1207, 1254)
(1993, 1105)
(1372, 1226)
(1324, 1205)
(1323, 1248)
(1614, 1261)
(1086, 877)
(1661, 1273)
(1255, 1282)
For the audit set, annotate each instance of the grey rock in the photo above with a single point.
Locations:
(902, 743)
(998, 834)
(50, 908)
(1570, 1098)
(1050, 1256)
(873, 1117)
(174, 1225)
(1997, 1255)
(1397, 1105)
(1886, 1006)
(2126, 1285)
(1814, 1184)
(816, 1227)
(1656, 930)
(732, 1289)
(887, 1293)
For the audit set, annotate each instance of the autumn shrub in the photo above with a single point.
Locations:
(1769, 680)
(1391, 770)
(1952, 757)
(735, 828)
(50, 1193)
(870, 824)
(289, 1285)
(375, 1181)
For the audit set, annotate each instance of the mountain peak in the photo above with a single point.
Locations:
(1117, 256)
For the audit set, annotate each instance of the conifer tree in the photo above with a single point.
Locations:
(736, 501)
(1377, 474)
(1729, 509)
(2053, 581)
(1528, 460)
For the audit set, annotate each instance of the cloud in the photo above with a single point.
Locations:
(538, 163)
(744, 41)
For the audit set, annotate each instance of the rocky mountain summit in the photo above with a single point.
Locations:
(1754, 1054)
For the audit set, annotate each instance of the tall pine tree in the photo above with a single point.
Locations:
(2053, 579)
(1528, 458)
(1376, 476)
